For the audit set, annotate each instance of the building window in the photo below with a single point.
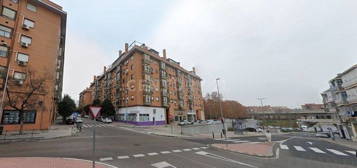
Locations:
(5, 31)
(13, 117)
(144, 117)
(31, 7)
(4, 51)
(29, 23)
(26, 40)
(19, 76)
(15, 1)
(3, 72)
(132, 98)
(22, 57)
(9, 13)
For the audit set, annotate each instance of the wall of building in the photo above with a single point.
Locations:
(43, 55)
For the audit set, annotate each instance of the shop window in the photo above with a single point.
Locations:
(13, 117)
(144, 117)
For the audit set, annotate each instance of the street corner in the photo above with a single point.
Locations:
(44, 162)
(259, 149)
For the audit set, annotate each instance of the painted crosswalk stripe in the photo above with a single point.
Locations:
(106, 159)
(351, 152)
(196, 148)
(165, 152)
(204, 147)
(337, 152)
(299, 148)
(176, 151)
(123, 157)
(138, 155)
(285, 147)
(186, 150)
(317, 150)
(152, 154)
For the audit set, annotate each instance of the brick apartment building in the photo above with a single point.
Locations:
(147, 88)
(32, 45)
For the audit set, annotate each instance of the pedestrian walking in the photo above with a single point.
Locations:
(268, 135)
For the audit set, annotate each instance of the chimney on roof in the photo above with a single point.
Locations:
(194, 70)
(120, 52)
(94, 78)
(126, 47)
(105, 69)
(164, 53)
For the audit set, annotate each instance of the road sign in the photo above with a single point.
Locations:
(95, 111)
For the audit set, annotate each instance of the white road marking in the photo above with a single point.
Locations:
(105, 159)
(317, 150)
(196, 148)
(138, 155)
(176, 151)
(162, 165)
(204, 147)
(165, 152)
(299, 148)
(186, 150)
(337, 152)
(152, 154)
(285, 147)
(351, 152)
(309, 143)
(214, 156)
(123, 157)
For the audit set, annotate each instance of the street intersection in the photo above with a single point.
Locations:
(124, 148)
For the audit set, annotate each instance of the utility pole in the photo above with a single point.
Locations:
(220, 107)
(261, 99)
(3, 94)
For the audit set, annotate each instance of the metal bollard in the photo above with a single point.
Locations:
(221, 134)
(5, 136)
(212, 134)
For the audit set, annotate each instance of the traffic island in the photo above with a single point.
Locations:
(43, 162)
(253, 149)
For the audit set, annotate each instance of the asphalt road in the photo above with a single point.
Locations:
(123, 148)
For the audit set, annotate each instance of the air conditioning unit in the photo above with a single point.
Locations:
(26, 27)
(25, 45)
(20, 82)
(3, 43)
(22, 63)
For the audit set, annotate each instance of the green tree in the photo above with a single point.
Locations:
(96, 102)
(107, 108)
(66, 107)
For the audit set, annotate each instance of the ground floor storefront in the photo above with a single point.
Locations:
(142, 115)
(32, 120)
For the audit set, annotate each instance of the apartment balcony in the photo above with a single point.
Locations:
(147, 61)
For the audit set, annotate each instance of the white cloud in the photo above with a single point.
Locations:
(283, 50)
(84, 59)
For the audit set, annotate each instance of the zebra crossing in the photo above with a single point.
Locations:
(96, 125)
(345, 153)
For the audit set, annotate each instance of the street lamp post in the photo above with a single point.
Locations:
(220, 108)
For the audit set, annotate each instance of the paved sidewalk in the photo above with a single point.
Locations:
(55, 131)
(254, 149)
(42, 162)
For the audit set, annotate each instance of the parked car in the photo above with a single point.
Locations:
(185, 122)
(69, 121)
(78, 120)
(104, 119)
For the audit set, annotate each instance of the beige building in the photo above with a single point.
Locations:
(147, 88)
(32, 43)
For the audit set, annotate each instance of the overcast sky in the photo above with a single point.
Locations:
(283, 50)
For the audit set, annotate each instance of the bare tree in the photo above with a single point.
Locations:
(26, 95)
